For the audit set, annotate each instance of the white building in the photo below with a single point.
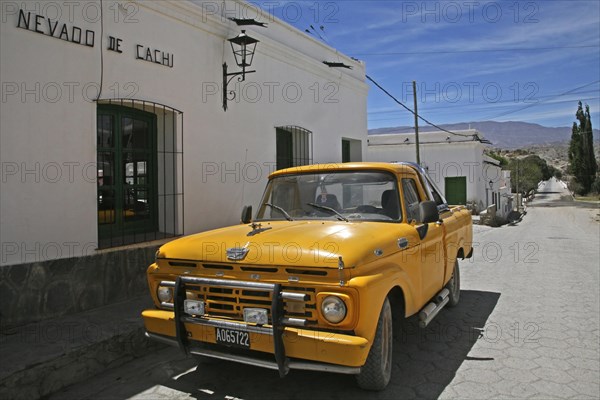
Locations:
(456, 163)
(113, 130)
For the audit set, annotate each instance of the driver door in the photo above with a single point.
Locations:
(432, 260)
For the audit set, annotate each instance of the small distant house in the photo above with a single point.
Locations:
(455, 162)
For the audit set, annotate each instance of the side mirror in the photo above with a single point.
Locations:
(429, 212)
(246, 215)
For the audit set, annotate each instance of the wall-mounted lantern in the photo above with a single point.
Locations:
(243, 47)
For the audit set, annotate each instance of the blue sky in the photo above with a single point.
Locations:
(510, 60)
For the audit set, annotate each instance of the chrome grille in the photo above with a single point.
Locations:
(230, 302)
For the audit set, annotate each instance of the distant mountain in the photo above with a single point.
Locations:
(506, 135)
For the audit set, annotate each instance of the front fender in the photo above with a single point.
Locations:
(373, 289)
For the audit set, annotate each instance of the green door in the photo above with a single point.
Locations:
(456, 190)
(126, 174)
(345, 150)
(285, 149)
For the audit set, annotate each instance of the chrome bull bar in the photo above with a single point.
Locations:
(292, 364)
(278, 320)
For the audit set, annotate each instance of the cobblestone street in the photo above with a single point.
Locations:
(541, 339)
(527, 326)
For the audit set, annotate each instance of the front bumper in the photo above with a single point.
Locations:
(292, 347)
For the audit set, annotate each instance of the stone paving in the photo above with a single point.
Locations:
(527, 326)
(39, 359)
(543, 334)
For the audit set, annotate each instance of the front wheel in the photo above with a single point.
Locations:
(376, 373)
(454, 286)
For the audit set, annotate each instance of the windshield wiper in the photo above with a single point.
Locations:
(329, 209)
(281, 210)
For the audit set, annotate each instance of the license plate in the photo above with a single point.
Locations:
(231, 337)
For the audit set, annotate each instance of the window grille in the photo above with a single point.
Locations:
(294, 146)
(148, 195)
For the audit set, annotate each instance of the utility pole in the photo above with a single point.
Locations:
(416, 122)
(519, 198)
(517, 175)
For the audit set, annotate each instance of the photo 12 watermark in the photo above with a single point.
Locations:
(454, 12)
(236, 172)
(68, 333)
(47, 14)
(482, 254)
(48, 172)
(472, 92)
(311, 12)
(517, 332)
(28, 92)
(272, 252)
(271, 92)
(20, 252)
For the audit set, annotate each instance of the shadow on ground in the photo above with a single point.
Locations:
(425, 362)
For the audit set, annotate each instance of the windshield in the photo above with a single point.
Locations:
(345, 196)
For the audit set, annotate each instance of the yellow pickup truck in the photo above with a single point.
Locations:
(313, 281)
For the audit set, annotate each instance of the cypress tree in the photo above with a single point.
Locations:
(581, 150)
(575, 151)
(591, 165)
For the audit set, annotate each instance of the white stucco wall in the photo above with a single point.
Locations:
(442, 154)
(48, 116)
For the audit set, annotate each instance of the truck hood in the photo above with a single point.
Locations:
(294, 243)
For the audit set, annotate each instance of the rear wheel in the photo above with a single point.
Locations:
(376, 373)
(453, 286)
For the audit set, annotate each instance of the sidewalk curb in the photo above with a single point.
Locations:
(40, 359)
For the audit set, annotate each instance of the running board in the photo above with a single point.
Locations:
(428, 313)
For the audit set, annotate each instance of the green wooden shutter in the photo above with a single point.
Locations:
(284, 149)
(345, 150)
(456, 190)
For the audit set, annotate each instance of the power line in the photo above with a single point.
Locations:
(476, 51)
(543, 101)
(417, 115)
(535, 99)
(545, 98)
(479, 107)
(475, 137)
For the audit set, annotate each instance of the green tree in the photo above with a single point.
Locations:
(575, 151)
(498, 157)
(582, 161)
(527, 172)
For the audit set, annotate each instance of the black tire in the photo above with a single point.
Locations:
(377, 371)
(453, 286)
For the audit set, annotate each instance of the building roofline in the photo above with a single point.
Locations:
(429, 137)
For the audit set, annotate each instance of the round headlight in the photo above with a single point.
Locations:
(333, 309)
(165, 294)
